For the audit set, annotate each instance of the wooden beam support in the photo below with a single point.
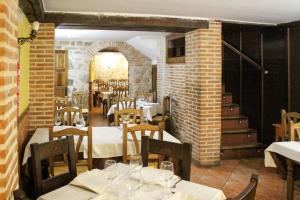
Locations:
(108, 22)
(33, 9)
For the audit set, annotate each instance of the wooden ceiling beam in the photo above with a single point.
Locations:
(33, 9)
(108, 22)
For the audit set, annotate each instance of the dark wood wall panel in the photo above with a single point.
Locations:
(295, 68)
(245, 81)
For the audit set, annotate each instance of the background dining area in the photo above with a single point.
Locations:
(149, 100)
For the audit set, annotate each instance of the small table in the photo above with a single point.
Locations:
(291, 151)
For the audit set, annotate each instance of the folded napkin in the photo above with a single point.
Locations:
(182, 196)
(93, 180)
(153, 176)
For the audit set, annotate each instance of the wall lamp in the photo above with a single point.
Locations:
(32, 35)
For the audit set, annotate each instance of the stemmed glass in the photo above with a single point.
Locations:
(135, 180)
(167, 175)
(111, 169)
(79, 122)
(57, 120)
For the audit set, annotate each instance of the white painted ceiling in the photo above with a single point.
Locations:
(254, 11)
(107, 35)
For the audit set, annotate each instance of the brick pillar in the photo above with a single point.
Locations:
(41, 78)
(204, 49)
(8, 101)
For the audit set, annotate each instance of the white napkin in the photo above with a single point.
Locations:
(94, 180)
(182, 196)
(153, 176)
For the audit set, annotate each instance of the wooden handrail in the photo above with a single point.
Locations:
(244, 56)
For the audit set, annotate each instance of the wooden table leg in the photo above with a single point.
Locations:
(290, 179)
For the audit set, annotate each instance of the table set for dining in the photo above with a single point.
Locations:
(133, 182)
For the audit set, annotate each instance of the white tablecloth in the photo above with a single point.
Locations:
(107, 142)
(289, 150)
(149, 109)
(197, 191)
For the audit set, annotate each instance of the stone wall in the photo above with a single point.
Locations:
(195, 90)
(41, 78)
(81, 53)
(8, 98)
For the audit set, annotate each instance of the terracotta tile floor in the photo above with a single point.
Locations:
(231, 176)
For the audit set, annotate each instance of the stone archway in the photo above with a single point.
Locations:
(139, 66)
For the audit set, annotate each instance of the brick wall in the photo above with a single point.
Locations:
(81, 53)
(195, 90)
(8, 104)
(41, 78)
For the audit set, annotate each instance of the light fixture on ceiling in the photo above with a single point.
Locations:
(32, 35)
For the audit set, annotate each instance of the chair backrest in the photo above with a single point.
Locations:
(81, 134)
(182, 152)
(43, 151)
(286, 119)
(130, 113)
(80, 99)
(294, 134)
(139, 129)
(250, 191)
(102, 87)
(120, 91)
(122, 82)
(68, 115)
(126, 102)
(112, 82)
(166, 106)
(61, 100)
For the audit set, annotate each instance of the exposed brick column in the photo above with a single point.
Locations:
(41, 78)
(207, 53)
(8, 103)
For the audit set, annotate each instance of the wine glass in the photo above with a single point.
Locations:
(111, 169)
(57, 120)
(135, 162)
(167, 175)
(79, 122)
(134, 182)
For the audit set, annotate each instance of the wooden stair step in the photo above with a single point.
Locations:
(226, 98)
(238, 137)
(230, 109)
(243, 151)
(234, 122)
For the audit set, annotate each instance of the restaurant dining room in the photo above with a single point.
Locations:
(152, 100)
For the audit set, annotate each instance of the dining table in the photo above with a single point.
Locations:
(94, 185)
(107, 141)
(290, 150)
(150, 109)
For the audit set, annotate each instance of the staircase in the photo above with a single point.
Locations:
(238, 140)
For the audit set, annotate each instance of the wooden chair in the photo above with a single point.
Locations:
(122, 82)
(81, 134)
(20, 195)
(61, 100)
(250, 191)
(112, 82)
(79, 99)
(286, 119)
(68, 115)
(294, 134)
(126, 102)
(120, 115)
(48, 150)
(181, 152)
(107, 103)
(140, 128)
(165, 112)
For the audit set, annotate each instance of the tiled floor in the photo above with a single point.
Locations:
(231, 176)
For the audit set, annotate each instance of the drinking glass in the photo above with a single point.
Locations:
(167, 175)
(134, 182)
(79, 122)
(57, 120)
(135, 162)
(111, 169)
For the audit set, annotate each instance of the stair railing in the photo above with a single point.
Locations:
(244, 56)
